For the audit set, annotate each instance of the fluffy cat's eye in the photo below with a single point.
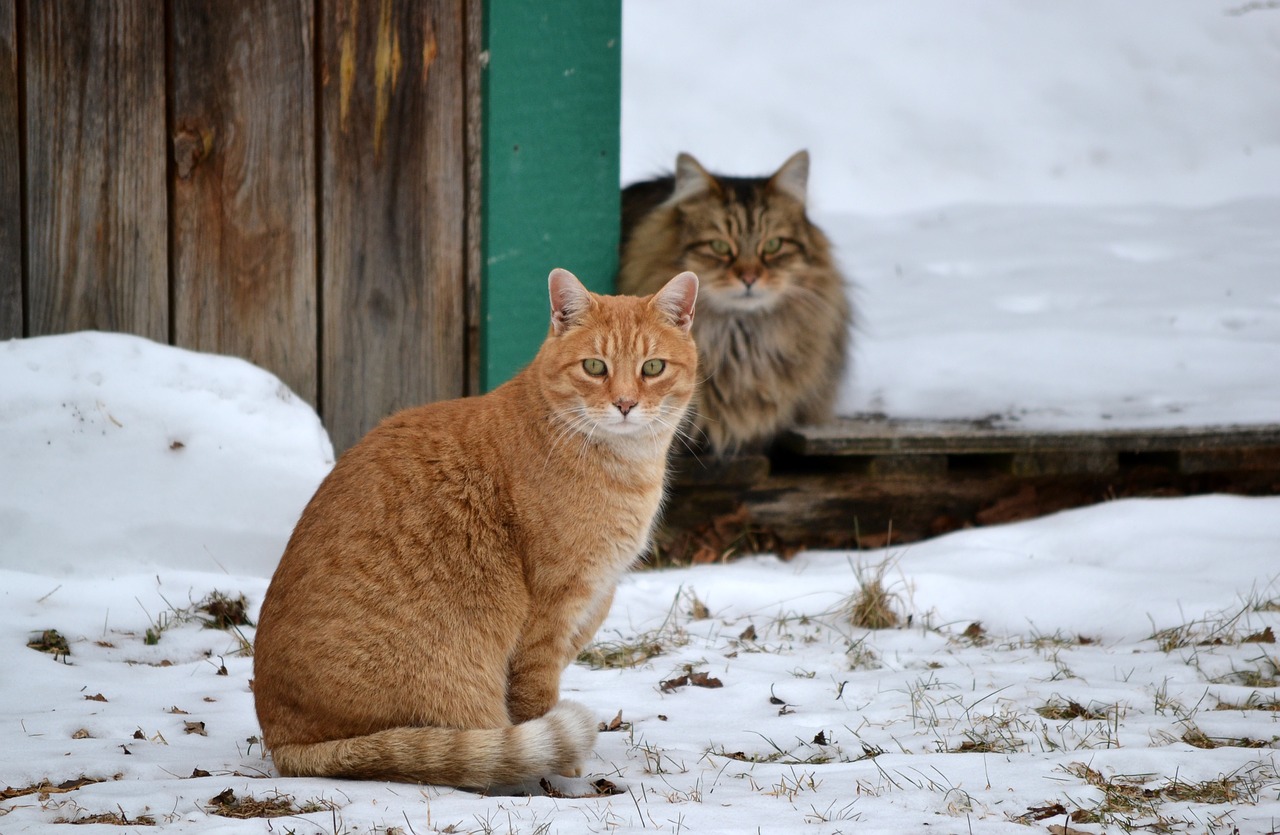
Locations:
(652, 368)
(721, 247)
(594, 367)
(772, 246)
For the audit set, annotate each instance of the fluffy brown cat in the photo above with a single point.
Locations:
(460, 556)
(773, 313)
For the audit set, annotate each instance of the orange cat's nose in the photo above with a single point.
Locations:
(624, 405)
(749, 278)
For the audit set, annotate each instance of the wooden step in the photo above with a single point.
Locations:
(880, 436)
(867, 481)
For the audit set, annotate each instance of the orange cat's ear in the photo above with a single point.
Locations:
(691, 179)
(569, 300)
(676, 299)
(793, 177)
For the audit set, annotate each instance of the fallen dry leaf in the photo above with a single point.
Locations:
(606, 788)
(1039, 813)
(1266, 636)
(672, 683)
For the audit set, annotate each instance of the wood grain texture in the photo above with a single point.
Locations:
(244, 245)
(10, 184)
(474, 68)
(394, 203)
(948, 477)
(877, 436)
(95, 170)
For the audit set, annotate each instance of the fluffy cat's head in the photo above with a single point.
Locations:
(620, 366)
(747, 238)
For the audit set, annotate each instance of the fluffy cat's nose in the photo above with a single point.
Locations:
(749, 278)
(624, 405)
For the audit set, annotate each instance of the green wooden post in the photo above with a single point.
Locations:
(552, 104)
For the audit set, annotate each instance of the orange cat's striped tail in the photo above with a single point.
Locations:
(556, 743)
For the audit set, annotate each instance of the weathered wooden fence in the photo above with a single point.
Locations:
(291, 181)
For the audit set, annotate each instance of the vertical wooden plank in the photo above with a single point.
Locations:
(10, 184)
(393, 227)
(551, 197)
(474, 65)
(244, 247)
(95, 169)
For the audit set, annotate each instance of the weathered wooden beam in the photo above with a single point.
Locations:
(901, 483)
(97, 218)
(393, 163)
(244, 196)
(11, 302)
(852, 436)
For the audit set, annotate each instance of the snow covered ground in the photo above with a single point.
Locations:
(1062, 215)
(1116, 662)
(1067, 317)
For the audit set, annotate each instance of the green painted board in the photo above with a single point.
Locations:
(552, 104)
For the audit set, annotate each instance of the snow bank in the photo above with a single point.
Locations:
(121, 455)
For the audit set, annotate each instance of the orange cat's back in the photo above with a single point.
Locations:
(459, 556)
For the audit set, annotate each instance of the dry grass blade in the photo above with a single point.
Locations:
(52, 642)
(118, 818)
(225, 612)
(45, 788)
(227, 805)
(874, 606)
(1066, 711)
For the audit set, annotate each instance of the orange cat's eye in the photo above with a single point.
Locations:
(652, 368)
(594, 367)
(772, 246)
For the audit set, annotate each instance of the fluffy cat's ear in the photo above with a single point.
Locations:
(793, 177)
(676, 299)
(569, 300)
(691, 179)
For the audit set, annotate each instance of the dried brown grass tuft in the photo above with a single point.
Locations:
(874, 606)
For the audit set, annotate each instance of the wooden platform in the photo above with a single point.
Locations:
(865, 482)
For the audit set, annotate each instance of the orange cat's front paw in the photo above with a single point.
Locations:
(573, 771)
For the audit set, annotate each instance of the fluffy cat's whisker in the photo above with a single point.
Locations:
(686, 440)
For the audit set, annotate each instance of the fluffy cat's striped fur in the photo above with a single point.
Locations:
(773, 313)
(460, 556)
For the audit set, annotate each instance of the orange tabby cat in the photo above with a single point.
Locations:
(461, 555)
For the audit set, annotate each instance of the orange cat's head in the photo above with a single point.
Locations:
(620, 366)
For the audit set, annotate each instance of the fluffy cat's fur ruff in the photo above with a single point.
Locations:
(463, 553)
(773, 312)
